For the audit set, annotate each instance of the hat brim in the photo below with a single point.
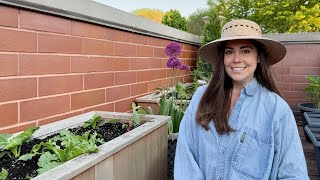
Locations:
(275, 50)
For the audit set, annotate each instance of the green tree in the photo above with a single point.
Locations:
(195, 23)
(174, 19)
(274, 16)
(152, 14)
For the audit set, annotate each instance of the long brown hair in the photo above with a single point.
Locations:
(216, 100)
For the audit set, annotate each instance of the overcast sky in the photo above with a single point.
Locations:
(185, 7)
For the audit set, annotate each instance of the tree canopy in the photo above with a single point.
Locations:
(152, 14)
(174, 19)
(274, 16)
(196, 23)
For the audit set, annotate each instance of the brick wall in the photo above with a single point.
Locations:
(52, 68)
(301, 60)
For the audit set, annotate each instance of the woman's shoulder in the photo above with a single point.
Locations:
(274, 98)
(199, 92)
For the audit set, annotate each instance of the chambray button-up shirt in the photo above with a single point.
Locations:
(265, 143)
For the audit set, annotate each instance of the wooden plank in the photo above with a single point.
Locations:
(310, 156)
(139, 151)
(88, 174)
(123, 168)
(152, 155)
(163, 151)
(104, 170)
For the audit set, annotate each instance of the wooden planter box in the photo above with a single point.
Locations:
(138, 154)
(152, 100)
(313, 133)
(312, 118)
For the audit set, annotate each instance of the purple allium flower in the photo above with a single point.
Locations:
(174, 62)
(184, 67)
(173, 49)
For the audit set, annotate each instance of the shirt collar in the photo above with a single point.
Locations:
(251, 88)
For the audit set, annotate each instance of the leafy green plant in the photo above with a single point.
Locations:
(135, 120)
(71, 146)
(13, 144)
(94, 122)
(313, 90)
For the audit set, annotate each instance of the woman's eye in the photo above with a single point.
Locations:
(245, 51)
(228, 52)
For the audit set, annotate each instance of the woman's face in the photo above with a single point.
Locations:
(240, 61)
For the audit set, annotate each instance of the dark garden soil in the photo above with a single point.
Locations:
(28, 169)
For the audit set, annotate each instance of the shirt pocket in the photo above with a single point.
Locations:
(251, 157)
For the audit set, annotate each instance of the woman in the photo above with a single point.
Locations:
(238, 126)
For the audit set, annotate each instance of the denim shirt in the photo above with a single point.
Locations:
(264, 145)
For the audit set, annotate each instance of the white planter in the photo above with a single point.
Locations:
(138, 154)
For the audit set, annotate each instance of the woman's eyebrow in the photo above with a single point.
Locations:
(245, 47)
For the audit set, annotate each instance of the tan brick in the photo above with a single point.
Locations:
(117, 93)
(84, 64)
(138, 63)
(153, 85)
(60, 84)
(159, 52)
(117, 35)
(124, 105)
(87, 99)
(125, 78)
(40, 108)
(292, 79)
(138, 89)
(16, 89)
(88, 30)
(126, 50)
(139, 39)
(144, 51)
(98, 47)
(43, 22)
(298, 87)
(155, 63)
(18, 41)
(9, 114)
(9, 16)
(59, 44)
(305, 71)
(105, 107)
(8, 64)
(17, 128)
(144, 76)
(159, 74)
(30, 64)
(155, 41)
(98, 80)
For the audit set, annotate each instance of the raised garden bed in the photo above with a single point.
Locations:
(312, 118)
(140, 153)
(313, 133)
(152, 100)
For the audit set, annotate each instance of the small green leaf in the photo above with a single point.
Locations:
(26, 157)
(4, 174)
(19, 139)
(113, 121)
(47, 161)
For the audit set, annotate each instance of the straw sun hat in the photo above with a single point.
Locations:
(243, 29)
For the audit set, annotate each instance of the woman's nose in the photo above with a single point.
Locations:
(236, 58)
